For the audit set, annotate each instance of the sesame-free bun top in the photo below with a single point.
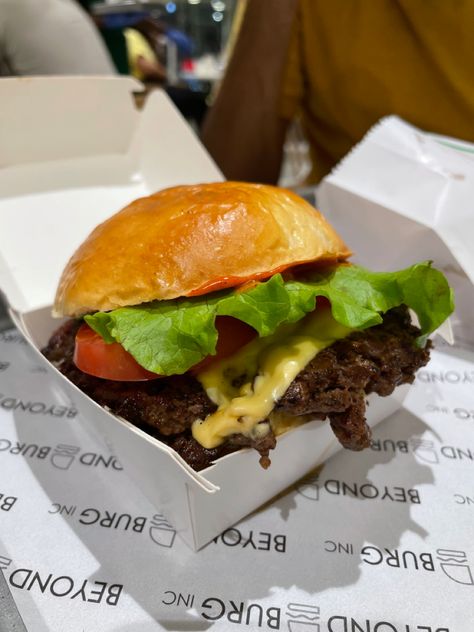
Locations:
(190, 240)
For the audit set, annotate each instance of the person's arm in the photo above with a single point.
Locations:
(244, 130)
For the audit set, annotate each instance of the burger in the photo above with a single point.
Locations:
(218, 316)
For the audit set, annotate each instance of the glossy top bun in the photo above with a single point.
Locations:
(189, 240)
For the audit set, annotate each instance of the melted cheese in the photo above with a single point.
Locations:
(246, 387)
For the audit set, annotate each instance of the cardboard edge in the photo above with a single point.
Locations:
(195, 545)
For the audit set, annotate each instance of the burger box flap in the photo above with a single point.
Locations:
(73, 151)
(403, 195)
(96, 160)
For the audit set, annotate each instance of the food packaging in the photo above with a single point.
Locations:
(379, 540)
(403, 195)
(73, 151)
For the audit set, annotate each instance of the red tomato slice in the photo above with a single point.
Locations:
(94, 356)
(233, 334)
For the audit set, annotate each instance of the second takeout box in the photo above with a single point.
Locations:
(73, 151)
(403, 195)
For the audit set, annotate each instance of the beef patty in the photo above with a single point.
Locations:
(333, 385)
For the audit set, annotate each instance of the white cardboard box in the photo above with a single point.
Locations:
(72, 152)
(404, 195)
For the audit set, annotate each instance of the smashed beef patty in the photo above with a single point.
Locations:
(333, 385)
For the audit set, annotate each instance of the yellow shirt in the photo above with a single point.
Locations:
(351, 62)
(137, 46)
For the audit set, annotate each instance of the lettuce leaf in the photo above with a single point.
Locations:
(169, 337)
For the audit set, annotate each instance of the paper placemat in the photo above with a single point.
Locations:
(378, 541)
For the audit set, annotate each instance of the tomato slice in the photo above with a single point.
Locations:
(233, 334)
(94, 356)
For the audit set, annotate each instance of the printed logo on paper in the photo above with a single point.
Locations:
(296, 616)
(445, 377)
(452, 563)
(62, 586)
(158, 529)
(425, 450)
(12, 336)
(252, 540)
(61, 456)
(313, 489)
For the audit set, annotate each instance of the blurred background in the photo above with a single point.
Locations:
(181, 46)
(279, 90)
(188, 37)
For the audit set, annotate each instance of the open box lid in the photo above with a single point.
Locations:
(73, 151)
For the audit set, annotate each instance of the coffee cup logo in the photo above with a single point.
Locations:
(303, 617)
(454, 565)
(309, 488)
(4, 562)
(161, 532)
(64, 455)
(424, 450)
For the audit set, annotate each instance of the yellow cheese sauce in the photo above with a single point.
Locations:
(246, 386)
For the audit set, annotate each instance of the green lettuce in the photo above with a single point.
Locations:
(169, 337)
